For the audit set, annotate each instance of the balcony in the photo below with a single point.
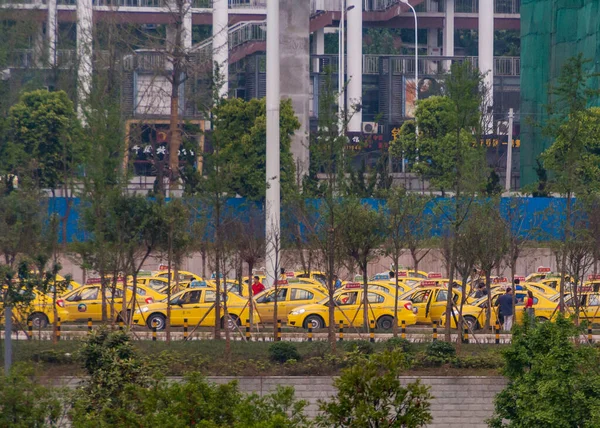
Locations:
(500, 6)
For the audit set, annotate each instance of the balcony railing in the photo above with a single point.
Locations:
(428, 65)
(500, 6)
(247, 32)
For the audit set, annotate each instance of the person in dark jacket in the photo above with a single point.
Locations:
(505, 308)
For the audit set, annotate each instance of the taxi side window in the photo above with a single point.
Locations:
(375, 298)
(156, 284)
(139, 291)
(190, 297)
(90, 294)
(118, 293)
(442, 296)
(593, 300)
(281, 293)
(421, 296)
(520, 298)
(210, 296)
(300, 294)
(347, 298)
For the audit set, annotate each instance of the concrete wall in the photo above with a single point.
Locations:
(294, 45)
(465, 401)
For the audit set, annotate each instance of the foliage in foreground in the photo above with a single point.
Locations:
(370, 395)
(553, 381)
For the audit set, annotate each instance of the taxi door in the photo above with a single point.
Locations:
(590, 308)
(298, 297)
(520, 297)
(84, 304)
(186, 306)
(265, 305)
(420, 300)
(347, 309)
(438, 305)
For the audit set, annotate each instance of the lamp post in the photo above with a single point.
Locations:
(342, 65)
(416, 56)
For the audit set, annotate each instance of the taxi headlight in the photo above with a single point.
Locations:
(298, 311)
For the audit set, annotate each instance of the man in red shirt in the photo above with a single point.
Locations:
(257, 286)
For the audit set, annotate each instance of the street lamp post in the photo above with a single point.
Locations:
(416, 56)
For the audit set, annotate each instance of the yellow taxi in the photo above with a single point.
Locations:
(349, 311)
(389, 287)
(184, 276)
(197, 305)
(430, 299)
(475, 313)
(316, 276)
(39, 311)
(540, 287)
(289, 297)
(413, 274)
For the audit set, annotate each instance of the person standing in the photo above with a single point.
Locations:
(337, 284)
(505, 307)
(257, 286)
(529, 306)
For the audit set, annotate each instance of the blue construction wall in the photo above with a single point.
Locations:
(537, 218)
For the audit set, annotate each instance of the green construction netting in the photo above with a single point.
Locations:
(551, 32)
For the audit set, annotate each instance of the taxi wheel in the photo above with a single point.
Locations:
(316, 321)
(472, 323)
(385, 322)
(158, 320)
(541, 319)
(39, 320)
(232, 322)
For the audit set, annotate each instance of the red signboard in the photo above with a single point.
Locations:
(163, 267)
(282, 282)
(402, 274)
(543, 269)
(500, 280)
(352, 285)
(595, 277)
(428, 283)
(520, 278)
(290, 274)
(434, 275)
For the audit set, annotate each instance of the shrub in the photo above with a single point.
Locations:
(283, 351)
(360, 346)
(397, 343)
(443, 350)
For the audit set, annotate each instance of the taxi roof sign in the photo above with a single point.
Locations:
(282, 282)
(500, 279)
(352, 285)
(543, 269)
(428, 283)
(519, 277)
(290, 274)
(163, 267)
(594, 277)
(402, 273)
(434, 275)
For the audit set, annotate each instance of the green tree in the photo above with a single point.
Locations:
(47, 144)
(552, 381)
(573, 159)
(362, 232)
(24, 403)
(369, 394)
(241, 127)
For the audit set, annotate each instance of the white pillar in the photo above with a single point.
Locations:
(221, 42)
(51, 27)
(272, 203)
(318, 47)
(486, 53)
(84, 52)
(187, 25)
(448, 48)
(354, 63)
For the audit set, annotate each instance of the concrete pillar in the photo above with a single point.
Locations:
(448, 48)
(433, 48)
(486, 53)
(294, 40)
(354, 63)
(221, 42)
(318, 47)
(51, 30)
(187, 25)
(84, 52)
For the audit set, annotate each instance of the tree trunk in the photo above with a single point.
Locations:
(250, 297)
(169, 258)
(395, 327)
(365, 296)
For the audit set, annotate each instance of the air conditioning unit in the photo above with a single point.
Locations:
(370, 128)
(502, 127)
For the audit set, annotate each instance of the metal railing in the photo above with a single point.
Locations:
(125, 3)
(251, 4)
(500, 6)
(400, 64)
(249, 31)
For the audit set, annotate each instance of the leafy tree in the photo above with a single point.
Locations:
(552, 381)
(26, 403)
(361, 234)
(573, 159)
(47, 144)
(241, 127)
(370, 395)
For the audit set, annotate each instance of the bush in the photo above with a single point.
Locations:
(397, 343)
(443, 350)
(283, 351)
(360, 346)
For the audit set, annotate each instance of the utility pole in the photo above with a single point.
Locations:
(7, 339)
(509, 151)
